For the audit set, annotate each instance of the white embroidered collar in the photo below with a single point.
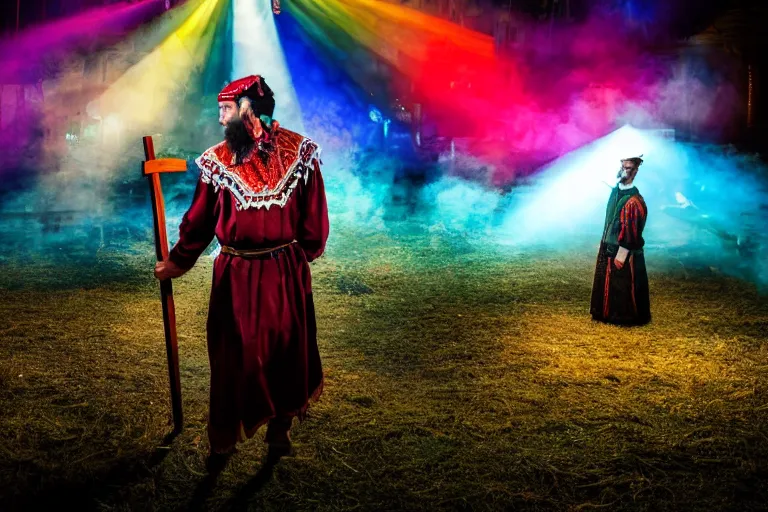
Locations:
(215, 172)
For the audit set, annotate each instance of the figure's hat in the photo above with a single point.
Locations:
(637, 160)
(254, 88)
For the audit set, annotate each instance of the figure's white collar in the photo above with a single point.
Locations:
(626, 187)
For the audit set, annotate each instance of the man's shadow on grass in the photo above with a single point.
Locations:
(241, 499)
(85, 495)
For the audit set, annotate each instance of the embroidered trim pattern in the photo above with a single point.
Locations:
(212, 170)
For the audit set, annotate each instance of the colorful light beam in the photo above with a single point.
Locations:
(550, 93)
(431, 52)
(257, 51)
(22, 56)
(142, 97)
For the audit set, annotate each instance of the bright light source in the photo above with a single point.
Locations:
(375, 115)
(257, 51)
(140, 98)
(570, 195)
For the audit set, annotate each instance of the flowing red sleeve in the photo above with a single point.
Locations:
(632, 217)
(313, 223)
(197, 227)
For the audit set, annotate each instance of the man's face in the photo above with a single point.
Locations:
(227, 112)
(627, 172)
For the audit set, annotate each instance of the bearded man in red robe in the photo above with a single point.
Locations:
(261, 193)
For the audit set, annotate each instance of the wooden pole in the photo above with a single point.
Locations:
(166, 289)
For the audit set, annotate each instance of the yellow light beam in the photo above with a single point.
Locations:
(140, 98)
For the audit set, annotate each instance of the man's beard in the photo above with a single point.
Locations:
(238, 139)
(625, 177)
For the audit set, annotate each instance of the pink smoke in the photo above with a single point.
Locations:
(566, 87)
(22, 56)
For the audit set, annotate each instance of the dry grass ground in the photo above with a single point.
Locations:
(456, 379)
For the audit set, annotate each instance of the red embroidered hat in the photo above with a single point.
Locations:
(234, 90)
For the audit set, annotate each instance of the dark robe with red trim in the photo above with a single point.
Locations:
(621, 296)
(262, 342)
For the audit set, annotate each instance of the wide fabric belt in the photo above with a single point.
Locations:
(255, 253)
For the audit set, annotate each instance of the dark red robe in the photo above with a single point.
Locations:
(262, 341)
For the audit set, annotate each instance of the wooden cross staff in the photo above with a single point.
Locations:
(152, 169)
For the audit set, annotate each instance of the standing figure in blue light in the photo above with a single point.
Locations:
(620, 293)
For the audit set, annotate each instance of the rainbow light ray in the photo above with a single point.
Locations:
(435, 55)
(384, 27)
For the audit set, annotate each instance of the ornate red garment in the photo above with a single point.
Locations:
(262, 341)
